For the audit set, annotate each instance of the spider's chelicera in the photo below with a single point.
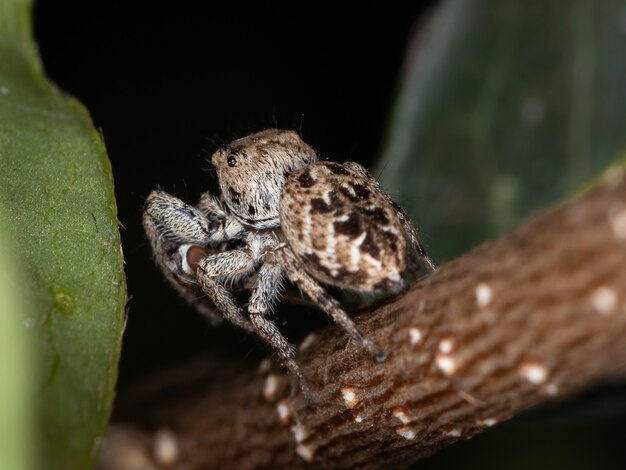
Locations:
(282, 213)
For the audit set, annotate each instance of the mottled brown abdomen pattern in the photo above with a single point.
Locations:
(343, 228)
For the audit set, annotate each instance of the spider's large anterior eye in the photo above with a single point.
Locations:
(232, 161)
(191, 255)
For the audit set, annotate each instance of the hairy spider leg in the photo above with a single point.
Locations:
(160, 208)
(213, 270)
(326, 303)
(264, 293)
(414, 239)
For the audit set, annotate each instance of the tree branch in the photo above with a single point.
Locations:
(538, 313)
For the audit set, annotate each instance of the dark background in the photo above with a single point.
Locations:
(167, 85)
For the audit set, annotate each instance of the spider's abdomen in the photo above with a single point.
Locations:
(343, 228)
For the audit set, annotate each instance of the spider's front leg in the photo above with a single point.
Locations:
(213, 270)
(326, 303)
(172, 228)
(264, 293)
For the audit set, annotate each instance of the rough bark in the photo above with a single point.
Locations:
(534, 315)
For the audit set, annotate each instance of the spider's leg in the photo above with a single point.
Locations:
(414, 239)
(211, 206)
(267, 286)
(226, 265)
(166, 216)
(224, 226)
(326, 303)
(268, 331)
(224, 301)
(170, 223)
(213, 270)
(275, 339)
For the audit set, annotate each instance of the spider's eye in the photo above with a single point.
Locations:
(232, 161)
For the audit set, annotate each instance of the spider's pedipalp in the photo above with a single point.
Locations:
(211, 206)
(167, 216)
(224, 227)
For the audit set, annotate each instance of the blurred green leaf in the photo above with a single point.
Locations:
(16, 366)
(58, 209)
(504, 108)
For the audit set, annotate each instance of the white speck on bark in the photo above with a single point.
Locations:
(400, 412)
(299, 432)
(484, 294)
(533, 372)
(446, 364)
(415, 335)
(349, 397)
(604, 300)
(165, 447)
(406, 432)
(306, 452)
(446, 346)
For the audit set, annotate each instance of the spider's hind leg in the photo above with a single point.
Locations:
(326, 303)
(414, 239)
(213, 270)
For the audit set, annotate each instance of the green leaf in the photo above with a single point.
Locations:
(16, 366)
(58, 210)
(505, 107)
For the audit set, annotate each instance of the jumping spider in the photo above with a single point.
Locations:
(282, 212)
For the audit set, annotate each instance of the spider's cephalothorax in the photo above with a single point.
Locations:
(252, 172)
(282, 213)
